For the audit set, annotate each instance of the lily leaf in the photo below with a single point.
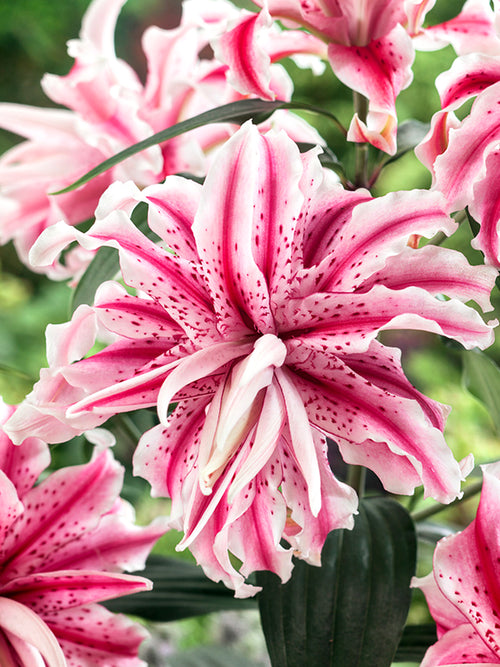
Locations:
(351, 610)
(415, 641)
(481, 376)
(234, 112)
(410, 134)
(180, 590)
(14, 385)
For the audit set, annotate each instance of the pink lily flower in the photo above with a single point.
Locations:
(108, 109)
(64, 544)
(463, 158)
(368, 50)
(370, 47)
(259, 320)
(463, 590)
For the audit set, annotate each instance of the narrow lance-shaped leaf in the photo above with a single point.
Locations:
(234, 112)
(481, 376)
(352, 610)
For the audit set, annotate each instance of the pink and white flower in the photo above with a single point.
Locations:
(259, 320)
(463, 590)
(65, 542)
(370, 47)
(109, 109)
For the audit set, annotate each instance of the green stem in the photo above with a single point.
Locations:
(469, 492)
(356, 476)
(361, 150)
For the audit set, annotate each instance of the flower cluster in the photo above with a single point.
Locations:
(259, 320)
(248, 311)
(108, 109)
(65, 542)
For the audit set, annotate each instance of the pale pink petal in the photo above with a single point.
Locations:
(115, 545)
(69, 503)
(379, 71)
(10, 505)
(46, 593)
(255, 522)
(348, 326)
(47, 126)
(302, 442)
(265, 440)
(247, 212)
(98, 25)
(41, 415)
(441, 271)
(172, 209)
(22, 465)
(436, 140)
(473, 30)
(379, 130)
(133, 317)
(198, 365)
(466, 78)
(446, 615)
(236, 408)
(21, 622)
(166, 454)
(146, 266)
(361, 248)
(249, 64)
(463, 163)
(91, 635)
(382, 367)
(416, 11)
(339, 501)
(348, 408)
(460, 646)
(70, 341)
(485, 208)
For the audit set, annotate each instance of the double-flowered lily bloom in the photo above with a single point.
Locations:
(108, 109)
(463, 591)
(63, 546)
(257, 316)
(370, 47)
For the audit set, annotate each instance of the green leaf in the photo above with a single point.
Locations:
(481, 377)
(352, 610)
(415, 641)
(234, 112)
(473, 224)
(14, 385)
(410, 134)
(180, 590)
(105, 264)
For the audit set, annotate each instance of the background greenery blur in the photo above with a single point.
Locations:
(33, 35)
